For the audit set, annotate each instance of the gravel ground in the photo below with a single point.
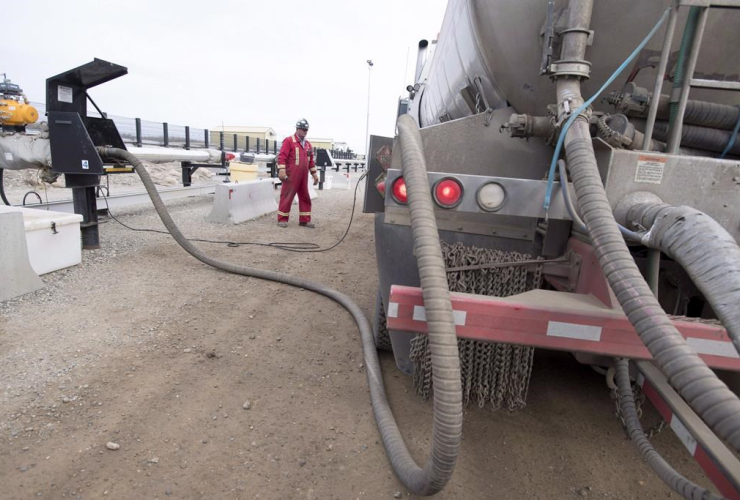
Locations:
(142, 373)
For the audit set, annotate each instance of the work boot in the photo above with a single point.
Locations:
(309, 225)
(282, 224)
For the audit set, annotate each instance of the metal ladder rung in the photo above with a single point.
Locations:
(714, 84)
(728, 4)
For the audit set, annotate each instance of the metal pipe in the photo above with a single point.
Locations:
(420, 59)
(653, 270)
(674, 140)
(662, 66)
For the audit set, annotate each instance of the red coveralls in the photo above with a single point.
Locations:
(297, 160)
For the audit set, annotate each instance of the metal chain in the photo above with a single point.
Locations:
(639, 401)
(490, 372)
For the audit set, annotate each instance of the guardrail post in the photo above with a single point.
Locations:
(207, 138)
(187, 137)
(138, 132)
(166, 133)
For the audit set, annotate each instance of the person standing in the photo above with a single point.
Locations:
(294, 162)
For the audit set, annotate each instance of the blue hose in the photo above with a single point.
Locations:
(577, 112)
(732, 139)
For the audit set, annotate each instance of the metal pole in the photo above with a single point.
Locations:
(247, 143)
(236, 145)
(653, 270)
(187, 137)
(258, 145)
(267, 146)
(138, 132)
(166, 133)
(221, 141)
(367, 124)
(674, 139)
(322, 177)
(274, 147)
(207, 138)
(85, 204)
(658, 88)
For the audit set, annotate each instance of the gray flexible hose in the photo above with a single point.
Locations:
(707, 252)
(662, 469)
(447, 428)
(685, 370)
(709, 139)
(580, 226)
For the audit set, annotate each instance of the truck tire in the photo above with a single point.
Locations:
(380, 331)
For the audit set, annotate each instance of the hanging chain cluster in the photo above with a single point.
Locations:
(498, 373)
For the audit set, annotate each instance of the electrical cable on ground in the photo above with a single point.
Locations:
(298, 247)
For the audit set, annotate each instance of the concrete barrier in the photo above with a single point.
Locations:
(16, 274)
(311, 191)
(239, 202)
(341, 180)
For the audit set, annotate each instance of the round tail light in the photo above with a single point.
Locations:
(491, 196)
(448, 193)
(399, 191)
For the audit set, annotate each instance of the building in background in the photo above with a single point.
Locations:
(320, 143)
(254, 134)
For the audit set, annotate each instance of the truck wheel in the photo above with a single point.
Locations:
(380, 331)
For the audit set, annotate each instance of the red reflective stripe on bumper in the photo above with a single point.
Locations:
(556, 320)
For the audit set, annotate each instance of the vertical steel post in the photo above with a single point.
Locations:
(166, 133)
(83, 200)
(207, 138)
(138, 132)
(187, 137)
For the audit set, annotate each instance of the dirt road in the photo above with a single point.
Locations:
(143, 347)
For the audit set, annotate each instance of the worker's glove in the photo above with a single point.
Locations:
(315, 179)
(282, 175)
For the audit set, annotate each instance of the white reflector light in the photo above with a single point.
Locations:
(491, 196)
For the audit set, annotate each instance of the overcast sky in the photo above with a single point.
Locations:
(237, 62)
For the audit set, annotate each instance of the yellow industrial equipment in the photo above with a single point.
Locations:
(15, 111)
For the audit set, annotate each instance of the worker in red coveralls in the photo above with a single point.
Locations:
(294, 162)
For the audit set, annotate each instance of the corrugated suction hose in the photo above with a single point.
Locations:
(447, 425)
(685, 370)
(707, 252)
(662, 469)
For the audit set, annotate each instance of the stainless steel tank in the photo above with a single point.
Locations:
(500, 42)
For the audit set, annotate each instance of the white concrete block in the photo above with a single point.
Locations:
(16, 274)
(52, 238)
(239, 202)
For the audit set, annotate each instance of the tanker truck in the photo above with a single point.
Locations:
(565, 176)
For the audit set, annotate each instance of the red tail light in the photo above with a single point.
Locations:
(399, 191)
(448, 193)
(229, 156)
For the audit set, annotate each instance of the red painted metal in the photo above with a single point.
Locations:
(713, 472)
(535, 318)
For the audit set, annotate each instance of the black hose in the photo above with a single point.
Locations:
(708, 253)
(2, 187)
(447, 399)
(662, 469)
